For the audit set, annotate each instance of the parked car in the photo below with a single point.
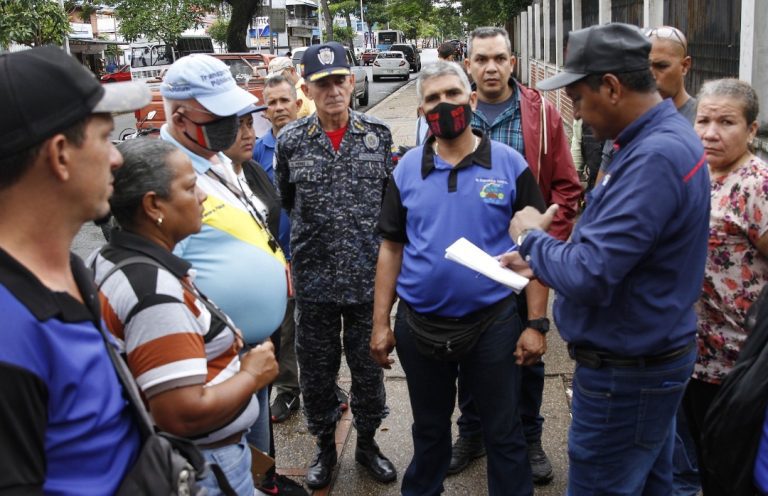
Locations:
(369, 56)
(411, 54)
(360, 95)
(248, 69)
(122, 74)
(298, 53)
(391, 64)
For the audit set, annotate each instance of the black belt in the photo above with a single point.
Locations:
(595, 359)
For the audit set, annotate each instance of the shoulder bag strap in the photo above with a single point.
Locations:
(129, 384)
(141, 259)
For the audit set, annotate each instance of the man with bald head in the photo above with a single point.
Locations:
(670, 63)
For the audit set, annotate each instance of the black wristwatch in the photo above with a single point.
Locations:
(541, 325)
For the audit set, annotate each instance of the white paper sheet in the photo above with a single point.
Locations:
(464, 252)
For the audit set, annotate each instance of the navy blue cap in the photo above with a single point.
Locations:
(613, 48)
(324, 60)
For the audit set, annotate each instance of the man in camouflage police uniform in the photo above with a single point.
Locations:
(332, 169)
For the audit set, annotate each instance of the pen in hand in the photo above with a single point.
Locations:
(508, 250)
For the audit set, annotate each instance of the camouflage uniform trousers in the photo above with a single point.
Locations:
(318, 349)
(288, 379)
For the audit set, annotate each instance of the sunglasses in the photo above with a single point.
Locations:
(668, 33)
(202, 111)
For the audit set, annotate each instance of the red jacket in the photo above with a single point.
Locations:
(548, 154)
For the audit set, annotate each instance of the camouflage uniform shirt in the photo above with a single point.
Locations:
(334, 199)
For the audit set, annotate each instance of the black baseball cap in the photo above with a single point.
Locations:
(43, 91)
(324, 60)
(614, 47)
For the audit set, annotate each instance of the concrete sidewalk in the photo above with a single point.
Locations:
(295, 447)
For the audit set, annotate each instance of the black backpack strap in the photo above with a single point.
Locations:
(221, 478)
(218, 323)
(138, 259)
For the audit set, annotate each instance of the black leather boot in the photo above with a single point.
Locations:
(368, 455)
(320, 470)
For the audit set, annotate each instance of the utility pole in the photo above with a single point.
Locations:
(271, 45)
(66, 38)
(362, 24)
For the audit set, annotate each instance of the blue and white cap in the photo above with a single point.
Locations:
(207, 80)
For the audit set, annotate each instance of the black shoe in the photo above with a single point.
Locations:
(464, 450)
(341, 395)
(368, 454)
(540, 465)
(281, 485)
(320, 470)
(284, 405)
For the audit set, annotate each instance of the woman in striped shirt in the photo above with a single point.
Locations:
(181, 349)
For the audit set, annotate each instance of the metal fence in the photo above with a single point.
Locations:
(628, 11)
(538, 71)
(590, 12)
(713, 28)
(567, 26)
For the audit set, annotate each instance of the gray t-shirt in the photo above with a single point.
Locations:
(492, 110)
(688, 110)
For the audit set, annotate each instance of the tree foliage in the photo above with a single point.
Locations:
(219, 30)
(165, 20)
(491, 12)
(161, 20)
(32, 22)
(343, 34)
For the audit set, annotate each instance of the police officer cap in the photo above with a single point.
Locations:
(325, 60)
(609, 48)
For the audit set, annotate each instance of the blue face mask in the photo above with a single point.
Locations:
(217, 135)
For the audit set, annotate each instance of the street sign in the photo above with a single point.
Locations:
(278, 20)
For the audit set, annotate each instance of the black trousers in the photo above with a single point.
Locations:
(696, 401)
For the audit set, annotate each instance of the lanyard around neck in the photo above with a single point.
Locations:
(248, 204)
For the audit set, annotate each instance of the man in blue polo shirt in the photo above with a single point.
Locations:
(458, 184)
(627, 280)
(65, 426)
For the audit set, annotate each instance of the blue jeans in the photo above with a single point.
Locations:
(685, 470)
(493, 378)
(259, 433)
(622, 434)
(235, 461)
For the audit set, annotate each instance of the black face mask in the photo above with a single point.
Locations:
(217, 135)
(448, 120)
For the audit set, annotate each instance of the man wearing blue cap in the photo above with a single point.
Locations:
(627, 280)
(239, 263)
(65, 426)
(332, 169)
